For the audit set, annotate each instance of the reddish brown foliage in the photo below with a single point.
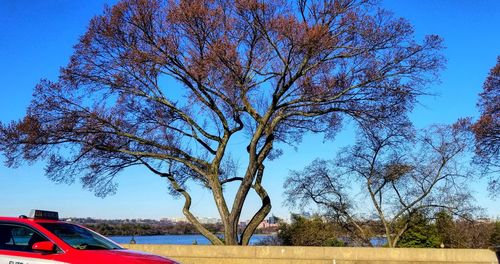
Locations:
(487, 128)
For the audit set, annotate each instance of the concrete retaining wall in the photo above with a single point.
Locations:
(198, 254)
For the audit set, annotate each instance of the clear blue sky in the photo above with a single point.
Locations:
(36, 39)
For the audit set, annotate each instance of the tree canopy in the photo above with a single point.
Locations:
(487, 128)
(169, 85)
(420, 233)
(309, 232)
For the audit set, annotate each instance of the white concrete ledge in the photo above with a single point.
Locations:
(201, 254)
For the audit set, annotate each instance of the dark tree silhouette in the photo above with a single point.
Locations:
(169, 85)
(487, 129)
(401, 176)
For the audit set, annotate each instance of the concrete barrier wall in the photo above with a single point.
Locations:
(198, 254)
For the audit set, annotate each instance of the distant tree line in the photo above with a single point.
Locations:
(142, 227)
(148, 227)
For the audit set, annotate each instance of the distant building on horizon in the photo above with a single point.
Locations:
(209, 220)
(272, 221)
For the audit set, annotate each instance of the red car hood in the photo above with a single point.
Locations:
(124, 256)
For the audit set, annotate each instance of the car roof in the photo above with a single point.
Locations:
(28, 220)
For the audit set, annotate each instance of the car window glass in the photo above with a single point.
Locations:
(18, 238)
(5, 236)
(80, 238)
(21, 235)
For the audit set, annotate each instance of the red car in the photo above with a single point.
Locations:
(42, 238)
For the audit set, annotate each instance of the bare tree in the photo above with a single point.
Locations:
(399, 173)
(487, 129)
(169, 85)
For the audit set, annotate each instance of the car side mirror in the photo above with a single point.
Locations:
(44, 246)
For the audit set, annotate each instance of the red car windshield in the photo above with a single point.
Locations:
(80, 238)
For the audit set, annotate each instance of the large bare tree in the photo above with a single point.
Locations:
(487, 129)
(400, 174)
(169, 85)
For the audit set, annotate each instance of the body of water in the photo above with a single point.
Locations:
(175, 239)
(201, 240)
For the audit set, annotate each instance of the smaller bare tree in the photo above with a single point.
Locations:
(399, 172)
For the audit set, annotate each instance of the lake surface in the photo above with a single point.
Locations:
(200, 240)
(175, 239)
